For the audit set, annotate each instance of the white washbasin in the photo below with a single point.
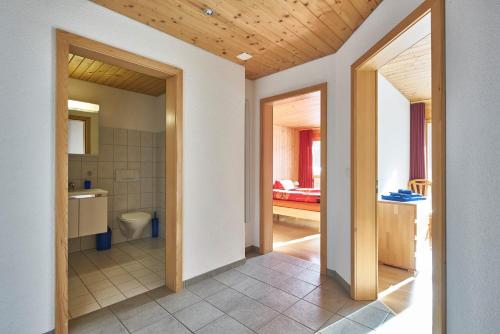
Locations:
(87, 193)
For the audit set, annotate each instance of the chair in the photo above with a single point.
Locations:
(420, 186)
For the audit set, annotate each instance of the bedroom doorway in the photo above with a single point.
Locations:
(293, 174)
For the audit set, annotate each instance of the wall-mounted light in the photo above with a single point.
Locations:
(244, 56)
(82, 106)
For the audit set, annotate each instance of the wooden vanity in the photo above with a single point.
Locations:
(402, 231)
(87, 212)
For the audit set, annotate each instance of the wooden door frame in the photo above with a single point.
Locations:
(266, 169)
(69, 43)
(364, 161)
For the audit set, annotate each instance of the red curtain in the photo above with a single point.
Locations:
(417, 141)
(306, 179)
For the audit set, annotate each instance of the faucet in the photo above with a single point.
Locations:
(72, 186)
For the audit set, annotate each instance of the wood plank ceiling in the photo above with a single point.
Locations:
(410, 72)
(109, 75)
(278, 33)
(300, 112)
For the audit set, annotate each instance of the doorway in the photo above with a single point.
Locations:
(284, 128)
(364, 155)
(66, 44)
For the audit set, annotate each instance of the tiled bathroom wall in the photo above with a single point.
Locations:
(140, 152)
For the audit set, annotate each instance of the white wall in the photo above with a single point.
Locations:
(336, 70)
(472, 161)
(393, 137)
(121, 108)
(213, 155)
(250, 156)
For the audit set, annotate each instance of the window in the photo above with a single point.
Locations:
(316, 155)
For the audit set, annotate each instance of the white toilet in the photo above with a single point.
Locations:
(132, 224)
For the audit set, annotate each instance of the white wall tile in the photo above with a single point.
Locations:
(120, 202)
(147, 185)
(134, 138)
(146, 139)
(147, 200)
(106, 136)
(89, 170)
(134, 187)
(106, 153)
(146, 169)
(119, 137)
(147, 154)
(134, 153)
(120, 188)
(120, 153)
(133, 202)
(105, 170)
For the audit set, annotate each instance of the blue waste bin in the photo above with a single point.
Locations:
(103, 240)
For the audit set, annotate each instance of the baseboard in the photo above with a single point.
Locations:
(213, 273)
(337, 278)
(251, 249)
(50, 332)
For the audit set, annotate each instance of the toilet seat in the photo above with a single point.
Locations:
(135, 217)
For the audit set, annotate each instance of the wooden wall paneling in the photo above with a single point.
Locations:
(363, 182)
(285, 153)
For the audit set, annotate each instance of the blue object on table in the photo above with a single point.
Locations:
(103, 240)
(87, 184)
(403, 196)
(155, 222)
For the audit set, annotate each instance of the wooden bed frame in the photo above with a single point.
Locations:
(300, 210)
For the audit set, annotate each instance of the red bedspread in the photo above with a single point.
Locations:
(306, 195)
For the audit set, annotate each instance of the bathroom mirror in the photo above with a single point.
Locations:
(83, 128)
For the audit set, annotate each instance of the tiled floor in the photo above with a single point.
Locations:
(98, 279)
(270, 294)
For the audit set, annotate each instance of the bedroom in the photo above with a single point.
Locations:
(297, 176)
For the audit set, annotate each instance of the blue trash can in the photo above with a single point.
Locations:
(103, 240)
(155, 226)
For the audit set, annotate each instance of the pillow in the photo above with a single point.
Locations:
(287, 184)
(277, 185)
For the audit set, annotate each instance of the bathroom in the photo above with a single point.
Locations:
(116, 184)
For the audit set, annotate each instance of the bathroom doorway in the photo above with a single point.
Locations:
(167, 145)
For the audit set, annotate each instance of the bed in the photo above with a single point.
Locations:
(303, 203)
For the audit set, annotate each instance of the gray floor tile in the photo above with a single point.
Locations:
(176, 302)
(224, 325)
(232, 277)
(284, 325)
(327, 299)
(257, 290)
(168, 325)
(311, 276)
(278, 300)
(334, 318)
(245, 284)
(296, 287)
(346, 326)
(252, 314)
(206, 288)
(198, 315)
(159, 293)
(138, 312)
(352, 306)
(288, 268)
(369, 316)
(102, 321)
(308, 314)
(227, 299)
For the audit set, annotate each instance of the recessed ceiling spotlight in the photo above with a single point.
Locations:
(244, 56)
(208, 11)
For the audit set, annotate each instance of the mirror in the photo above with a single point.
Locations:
(83, 128)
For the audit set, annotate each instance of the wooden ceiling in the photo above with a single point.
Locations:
(410, 72)
(300, 112)
(278, 33)
(109, 75)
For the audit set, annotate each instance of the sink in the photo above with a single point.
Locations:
(87, 193)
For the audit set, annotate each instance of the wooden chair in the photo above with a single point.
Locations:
(420, 186)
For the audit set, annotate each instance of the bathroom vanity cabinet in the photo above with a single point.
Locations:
(87, 213)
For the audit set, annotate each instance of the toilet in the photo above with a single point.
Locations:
(132, 224)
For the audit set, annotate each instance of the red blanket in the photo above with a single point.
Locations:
(306, 195)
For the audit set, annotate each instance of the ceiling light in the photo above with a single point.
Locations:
(208, 11)
(244, 56)
(82, 106)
